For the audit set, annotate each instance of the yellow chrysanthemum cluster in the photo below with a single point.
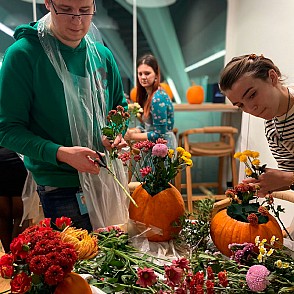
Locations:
(252, 163)
(184, 155)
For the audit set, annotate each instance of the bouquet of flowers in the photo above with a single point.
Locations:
(40, 259)
(117, 123)
(154, 165)
(135, 111)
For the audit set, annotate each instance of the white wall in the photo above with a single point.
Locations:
(261, 27)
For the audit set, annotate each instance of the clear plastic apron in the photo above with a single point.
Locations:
(86, 108)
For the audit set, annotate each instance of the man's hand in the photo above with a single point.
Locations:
(80, 158)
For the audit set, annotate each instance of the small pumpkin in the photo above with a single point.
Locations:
(167, 89)
(225, 230)
(159, 211)
(133, 94)
(73, 284)
(195, 94)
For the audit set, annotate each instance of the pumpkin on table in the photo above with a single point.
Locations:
(195, 94)
(225, 230)
(159, 211)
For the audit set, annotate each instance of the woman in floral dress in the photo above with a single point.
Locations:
(158, 117)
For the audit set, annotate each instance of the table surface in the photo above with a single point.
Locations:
(221, 107)
(4, 283)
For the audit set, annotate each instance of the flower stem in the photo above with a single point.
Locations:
(124, 189)
(278, 217)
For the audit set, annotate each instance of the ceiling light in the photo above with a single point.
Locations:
(151, 3)
(6, 29)
(37, 1)
(206, 60)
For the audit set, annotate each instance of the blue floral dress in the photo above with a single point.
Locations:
(160, 122)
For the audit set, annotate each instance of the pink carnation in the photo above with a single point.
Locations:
(257, 278)
(160, 150)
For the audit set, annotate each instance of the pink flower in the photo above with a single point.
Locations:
(160, 150)
(145, 171)
(146, 277)
(256, 278)
(182, 263)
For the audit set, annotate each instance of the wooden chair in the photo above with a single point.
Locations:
(222, 148)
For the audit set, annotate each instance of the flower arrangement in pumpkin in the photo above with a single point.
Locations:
(160, 204)
(246, 217)
(155, 165)
(41, 259)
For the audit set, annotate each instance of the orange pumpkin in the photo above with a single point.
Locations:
(195, 94)
(133, 94)
(167, 89)
(225, 230)
(73, 284)
(159, 211)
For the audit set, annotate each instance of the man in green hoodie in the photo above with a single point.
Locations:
(57, 85)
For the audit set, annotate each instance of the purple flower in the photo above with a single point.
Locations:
(159, 150)
(257, 278)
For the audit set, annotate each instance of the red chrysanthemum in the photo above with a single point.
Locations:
(146, 277)
(54, 275)
(39, 264)
(252, 219)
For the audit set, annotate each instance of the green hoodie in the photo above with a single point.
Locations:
(33, 114)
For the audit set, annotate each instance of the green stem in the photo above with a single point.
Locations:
(124, 189)
(278, 217)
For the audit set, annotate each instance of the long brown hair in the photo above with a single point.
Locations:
(142, 95)
(250, 64)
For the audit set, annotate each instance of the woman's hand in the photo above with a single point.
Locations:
(271, 180)
(130, 134)
(80, 158)
(118, 143)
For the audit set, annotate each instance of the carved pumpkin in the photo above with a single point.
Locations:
(225, 230)
(167, 89)
(195, 94)
(133, 94)
(159, 211)
(72, 284)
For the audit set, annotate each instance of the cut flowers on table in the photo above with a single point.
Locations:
(154, 165)
(41, 258)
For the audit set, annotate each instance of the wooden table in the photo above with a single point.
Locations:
(217, 107)
(4, 283)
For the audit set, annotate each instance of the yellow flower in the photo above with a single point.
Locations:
(256, 162)
(243, 158)
(187, 154)
(263, 241)
(259, 257)
(189, 162)
(279, 263)
(270, 252)
(255, 154)
(170, 153)
(273, 239)
(248, 171)
(247, 153)
(286, 264)
(237, 155)
(181, 151)
(262, 250)
(257, 240)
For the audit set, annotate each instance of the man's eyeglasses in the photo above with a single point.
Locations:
(72, 14)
